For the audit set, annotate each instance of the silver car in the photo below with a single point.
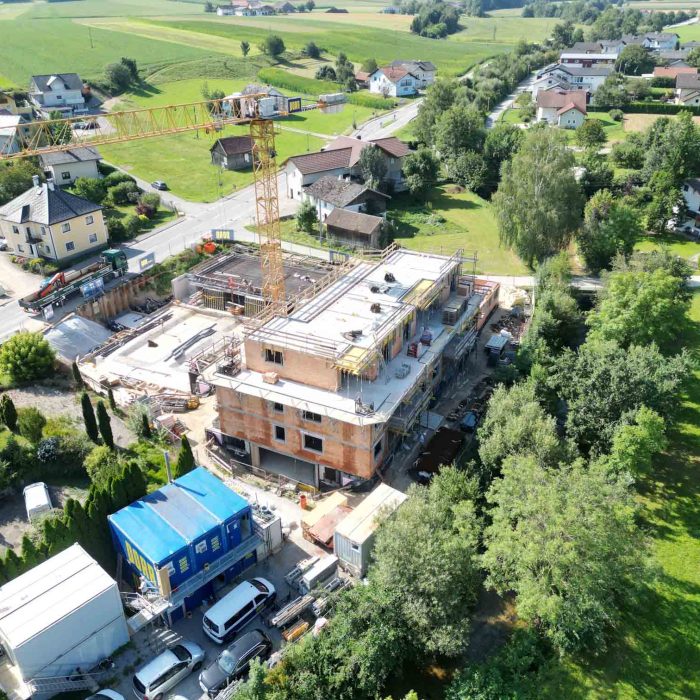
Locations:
(164, 672)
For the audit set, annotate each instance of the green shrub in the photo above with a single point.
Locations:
(132, 225)
(617, 115)
(26, 356)
(116, 177)
(119, 194)
(31, 423)
(102, 464)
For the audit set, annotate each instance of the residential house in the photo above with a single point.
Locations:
(62, 92)
(362, 79)
(587, 60)
(9, 104)
(253, 9)
(355, 229)
(225, 10)
(233, 152)
(393, 82)
(660, 41)
(341, 159)
(690, 45)
(675, 58)
(558, 76)
(329, 193)
(65, 167)
(586, 47)
(691, 194)
(51, 223)
(612, 46)
(10, 141)
(424, 71)
(327, 394)
(563, 108)
(673, 72)
(284, 8)
(688, 90)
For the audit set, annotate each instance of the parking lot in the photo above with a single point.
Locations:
(151, 641)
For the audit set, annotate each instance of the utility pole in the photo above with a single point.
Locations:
(92, 46)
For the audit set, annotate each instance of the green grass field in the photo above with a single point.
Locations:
(689, 32)
(184, 162)
(113, 8)
(657, 652)
(678, 245)
(614, 131)
(451, 221)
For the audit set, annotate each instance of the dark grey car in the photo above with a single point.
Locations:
(233, 662)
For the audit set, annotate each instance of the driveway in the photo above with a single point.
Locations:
(507, 103)
(389, 123)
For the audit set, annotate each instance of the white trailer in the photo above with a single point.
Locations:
(354, 536)
(66, 613)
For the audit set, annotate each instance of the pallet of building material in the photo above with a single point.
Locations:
(292, 610)
(293, 575)
(295, 631)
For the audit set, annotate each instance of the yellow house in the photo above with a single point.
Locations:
(46, 222)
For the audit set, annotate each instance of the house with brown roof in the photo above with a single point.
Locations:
(673, 72)
(362, 79)
(393, 81)
(341, 158)
(329, 193)
(688, 90)
(563, 108)
(233, 152)
(355, 229)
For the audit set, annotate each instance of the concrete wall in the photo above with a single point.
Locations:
(115, 301)
(346, 447)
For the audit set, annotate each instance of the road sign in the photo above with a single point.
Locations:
(146, 262)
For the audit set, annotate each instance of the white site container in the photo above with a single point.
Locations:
(332, 98)
(63, 614)
(318, 574)
(354, 536)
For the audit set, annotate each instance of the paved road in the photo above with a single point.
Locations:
(506, 103)
(388, 124)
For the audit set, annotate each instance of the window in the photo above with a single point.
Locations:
(65, 228)
(70, 246)
(200, 547)
(280, 433)
(92, 238)
(15, 229)
(278, 407)
(274, 356)
(89, 219)
(20, 249)
(239, 615)
(310, 415)
(311, 442)
(65, 175)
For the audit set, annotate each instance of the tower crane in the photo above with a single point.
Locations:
(56, 135)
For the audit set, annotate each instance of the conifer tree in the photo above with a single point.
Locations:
(8, 413)
(78, 378)
(185, 459)
(104, 423)
(89, 417)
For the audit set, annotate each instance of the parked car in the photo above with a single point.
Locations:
(86, 126)
(233, 663)
(236, 609)
(106, 693)
(37, 499)
(159, 185)
(158, 676)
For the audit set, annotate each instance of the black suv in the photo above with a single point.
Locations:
(233, 662)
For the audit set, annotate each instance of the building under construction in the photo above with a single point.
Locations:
(233, 281)
(325, 394)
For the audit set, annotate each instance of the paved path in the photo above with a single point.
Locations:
(389, 123)
(508, 101)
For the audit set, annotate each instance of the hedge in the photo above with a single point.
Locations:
(649, 108)
(310, 86)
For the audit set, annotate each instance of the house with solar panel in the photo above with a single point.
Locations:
(186, 540)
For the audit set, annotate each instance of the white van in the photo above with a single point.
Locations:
(36, 499)
(236, 609)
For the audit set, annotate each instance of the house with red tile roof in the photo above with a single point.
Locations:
(341, 159)
(563, 108)
(393, 81)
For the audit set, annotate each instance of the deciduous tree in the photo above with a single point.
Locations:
(307, 217)
(591, 134)
(372, 165)
(421, 169)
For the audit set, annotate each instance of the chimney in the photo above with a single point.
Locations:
(36, 181)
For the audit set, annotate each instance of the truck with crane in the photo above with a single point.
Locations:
(56, 289)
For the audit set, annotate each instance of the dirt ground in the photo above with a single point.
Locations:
(60, 399)
(640, 122)
(13, 516)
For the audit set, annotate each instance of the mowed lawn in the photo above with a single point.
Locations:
(34, 47)
(451, 220)
(657, 652)
(614, 131)
(676, 244)
(356, 41)
(689, 32)
(184, 161)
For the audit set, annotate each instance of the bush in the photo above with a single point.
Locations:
(48, 450)
(116, 230)
(26, 356)
(118, 77)
(102, 464)
(119, 194)
(116, 177)
(31, 423)
(617, 115)
(325, 73)
(91, 188)
(132, 225)
(151, 199)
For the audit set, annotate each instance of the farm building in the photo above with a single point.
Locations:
(355, 229)
(233, 152)
(62, 614)
(354, 536)
(186, 540)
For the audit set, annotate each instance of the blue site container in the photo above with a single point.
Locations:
(186, 527)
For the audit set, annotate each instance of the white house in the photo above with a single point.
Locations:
(9, 141)
(225, 10)
(571, 78)
(341, 159)
(688, 90)
(691, 194)
(563, 108)
(66, 167)
(423, 71)
(393, 82)
(61, 91)
(660, 41)
(329, 193)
